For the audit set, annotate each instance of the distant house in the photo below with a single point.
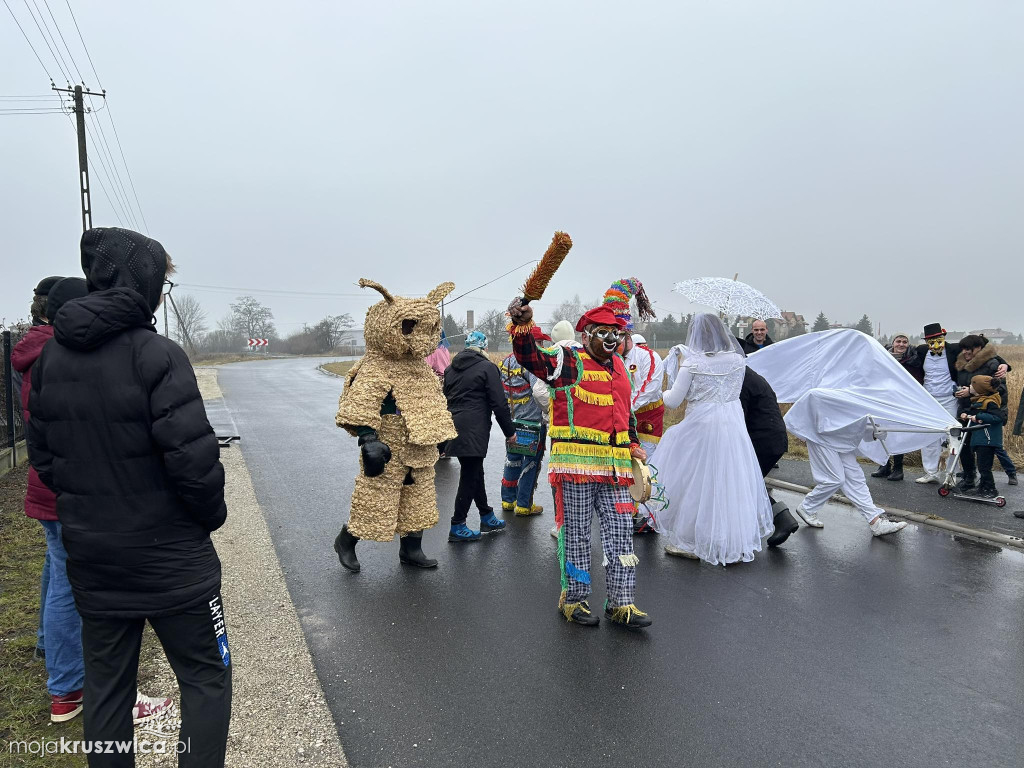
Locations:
(995, 335)
(791, 324)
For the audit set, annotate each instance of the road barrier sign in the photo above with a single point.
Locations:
(258, 342)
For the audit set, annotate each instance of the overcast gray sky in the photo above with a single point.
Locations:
(851, 157)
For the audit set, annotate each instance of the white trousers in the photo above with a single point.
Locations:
(930, 453)
(833, 470)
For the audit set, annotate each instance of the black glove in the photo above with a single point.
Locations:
(375, 454)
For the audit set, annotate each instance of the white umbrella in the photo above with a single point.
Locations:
(730, 297)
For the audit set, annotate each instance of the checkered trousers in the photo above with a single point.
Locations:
(615, 509)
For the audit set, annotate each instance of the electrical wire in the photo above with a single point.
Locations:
(57, 27)
(11, 11)
(103, 167)
(112, 168)
(28, 8)
(514, 269)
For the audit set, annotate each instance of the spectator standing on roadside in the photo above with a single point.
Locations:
(758, 337)
(472, 387)
(119, 432)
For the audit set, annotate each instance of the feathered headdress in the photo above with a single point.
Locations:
(617, 299)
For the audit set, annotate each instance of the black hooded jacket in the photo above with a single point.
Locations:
(120, 433)
(472, 386)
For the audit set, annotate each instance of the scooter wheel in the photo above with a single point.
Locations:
(1000, 501)
(943, 491)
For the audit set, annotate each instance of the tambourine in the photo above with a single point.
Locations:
(642, 486)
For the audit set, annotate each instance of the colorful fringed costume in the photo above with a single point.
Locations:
(393, 397)
(591, 429)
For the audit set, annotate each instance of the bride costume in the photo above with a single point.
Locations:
(717, 505)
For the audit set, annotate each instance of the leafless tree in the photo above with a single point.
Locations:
(189, 322)
(250, 318)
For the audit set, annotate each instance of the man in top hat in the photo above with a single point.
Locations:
(936, 359)
(593, 442)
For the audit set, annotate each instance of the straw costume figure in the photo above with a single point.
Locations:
(392, 401)
(593, 442)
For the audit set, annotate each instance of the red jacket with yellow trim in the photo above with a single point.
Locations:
(592, 425)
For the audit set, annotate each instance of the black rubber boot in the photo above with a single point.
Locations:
(345, 546)
(897, 468)
(883, 471)
(410, 551)
(785, 524)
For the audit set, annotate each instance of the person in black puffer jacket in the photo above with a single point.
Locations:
(473, 388)
(120, 434)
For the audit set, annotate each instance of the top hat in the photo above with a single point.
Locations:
(932, 330)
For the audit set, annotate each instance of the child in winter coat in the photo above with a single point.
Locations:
(987, 398)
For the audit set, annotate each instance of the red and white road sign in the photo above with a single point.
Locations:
(258, 342)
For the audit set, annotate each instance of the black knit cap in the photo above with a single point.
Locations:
(66, 289)
(120, 258)
(46, 284)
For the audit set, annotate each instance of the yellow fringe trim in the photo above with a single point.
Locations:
(584, 433)
(517, 330)
(629, 560)
(649, 407)
(623, 613)
(596, 376)
(593, 398)
(583, 449)
(519, 400)
(567, 609)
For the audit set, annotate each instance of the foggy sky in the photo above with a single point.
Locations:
(848, 157)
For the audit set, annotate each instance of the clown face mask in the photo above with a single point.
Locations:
(937, 345)
(603, 340)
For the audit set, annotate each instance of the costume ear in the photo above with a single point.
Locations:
(440, 292)
(364, 283)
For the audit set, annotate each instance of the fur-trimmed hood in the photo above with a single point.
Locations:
(983, 355)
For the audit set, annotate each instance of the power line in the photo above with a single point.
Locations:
(84, 46)
(28, 8)
(112, 170)
(103, 167)
(28, 41)
(113, 164)
(57, 27)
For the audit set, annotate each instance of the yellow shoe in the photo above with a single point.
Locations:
(507, 506)
(534, 509)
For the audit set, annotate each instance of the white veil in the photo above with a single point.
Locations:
(708, 336)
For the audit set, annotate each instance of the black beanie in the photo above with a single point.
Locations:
(46, 284)
(67, 289)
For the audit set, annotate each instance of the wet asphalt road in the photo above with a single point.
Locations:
(836, 650)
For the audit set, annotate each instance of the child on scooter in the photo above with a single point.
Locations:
(988, 396)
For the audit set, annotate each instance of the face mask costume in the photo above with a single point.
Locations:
(593, 438)
(392, 401)
(646, 372)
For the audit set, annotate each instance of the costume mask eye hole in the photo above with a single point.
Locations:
(407, 326)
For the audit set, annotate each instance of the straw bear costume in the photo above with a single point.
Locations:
(392, 397)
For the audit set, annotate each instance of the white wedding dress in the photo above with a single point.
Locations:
(717, 505)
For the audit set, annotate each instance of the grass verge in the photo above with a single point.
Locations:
(339, 369)
(24, 700)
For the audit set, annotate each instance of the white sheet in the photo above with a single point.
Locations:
(836, 380)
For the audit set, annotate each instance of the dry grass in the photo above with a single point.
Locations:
(339, 369)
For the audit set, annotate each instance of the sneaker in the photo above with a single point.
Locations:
(39, 654)
(966, 485)
(809, 518)
(63, 708)
(1011, 480)
(579, 613)
(628, 616)
(883, 526)
(987, 493)
(926, 478)
(533, 509)
(677, 552)
(461, 532)
(148, 707)
(507, 506)
(489, 523)
(554, 532)
(642, 525)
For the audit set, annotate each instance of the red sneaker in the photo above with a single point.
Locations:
(65, 707)
(148, 707)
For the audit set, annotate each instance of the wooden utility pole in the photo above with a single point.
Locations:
(83, 159)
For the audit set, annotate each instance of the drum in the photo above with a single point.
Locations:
(642, 486)
(527, 438)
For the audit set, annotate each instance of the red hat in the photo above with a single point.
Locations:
(602, 315)
(538, 334)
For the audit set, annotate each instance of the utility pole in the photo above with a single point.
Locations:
(83, 160)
